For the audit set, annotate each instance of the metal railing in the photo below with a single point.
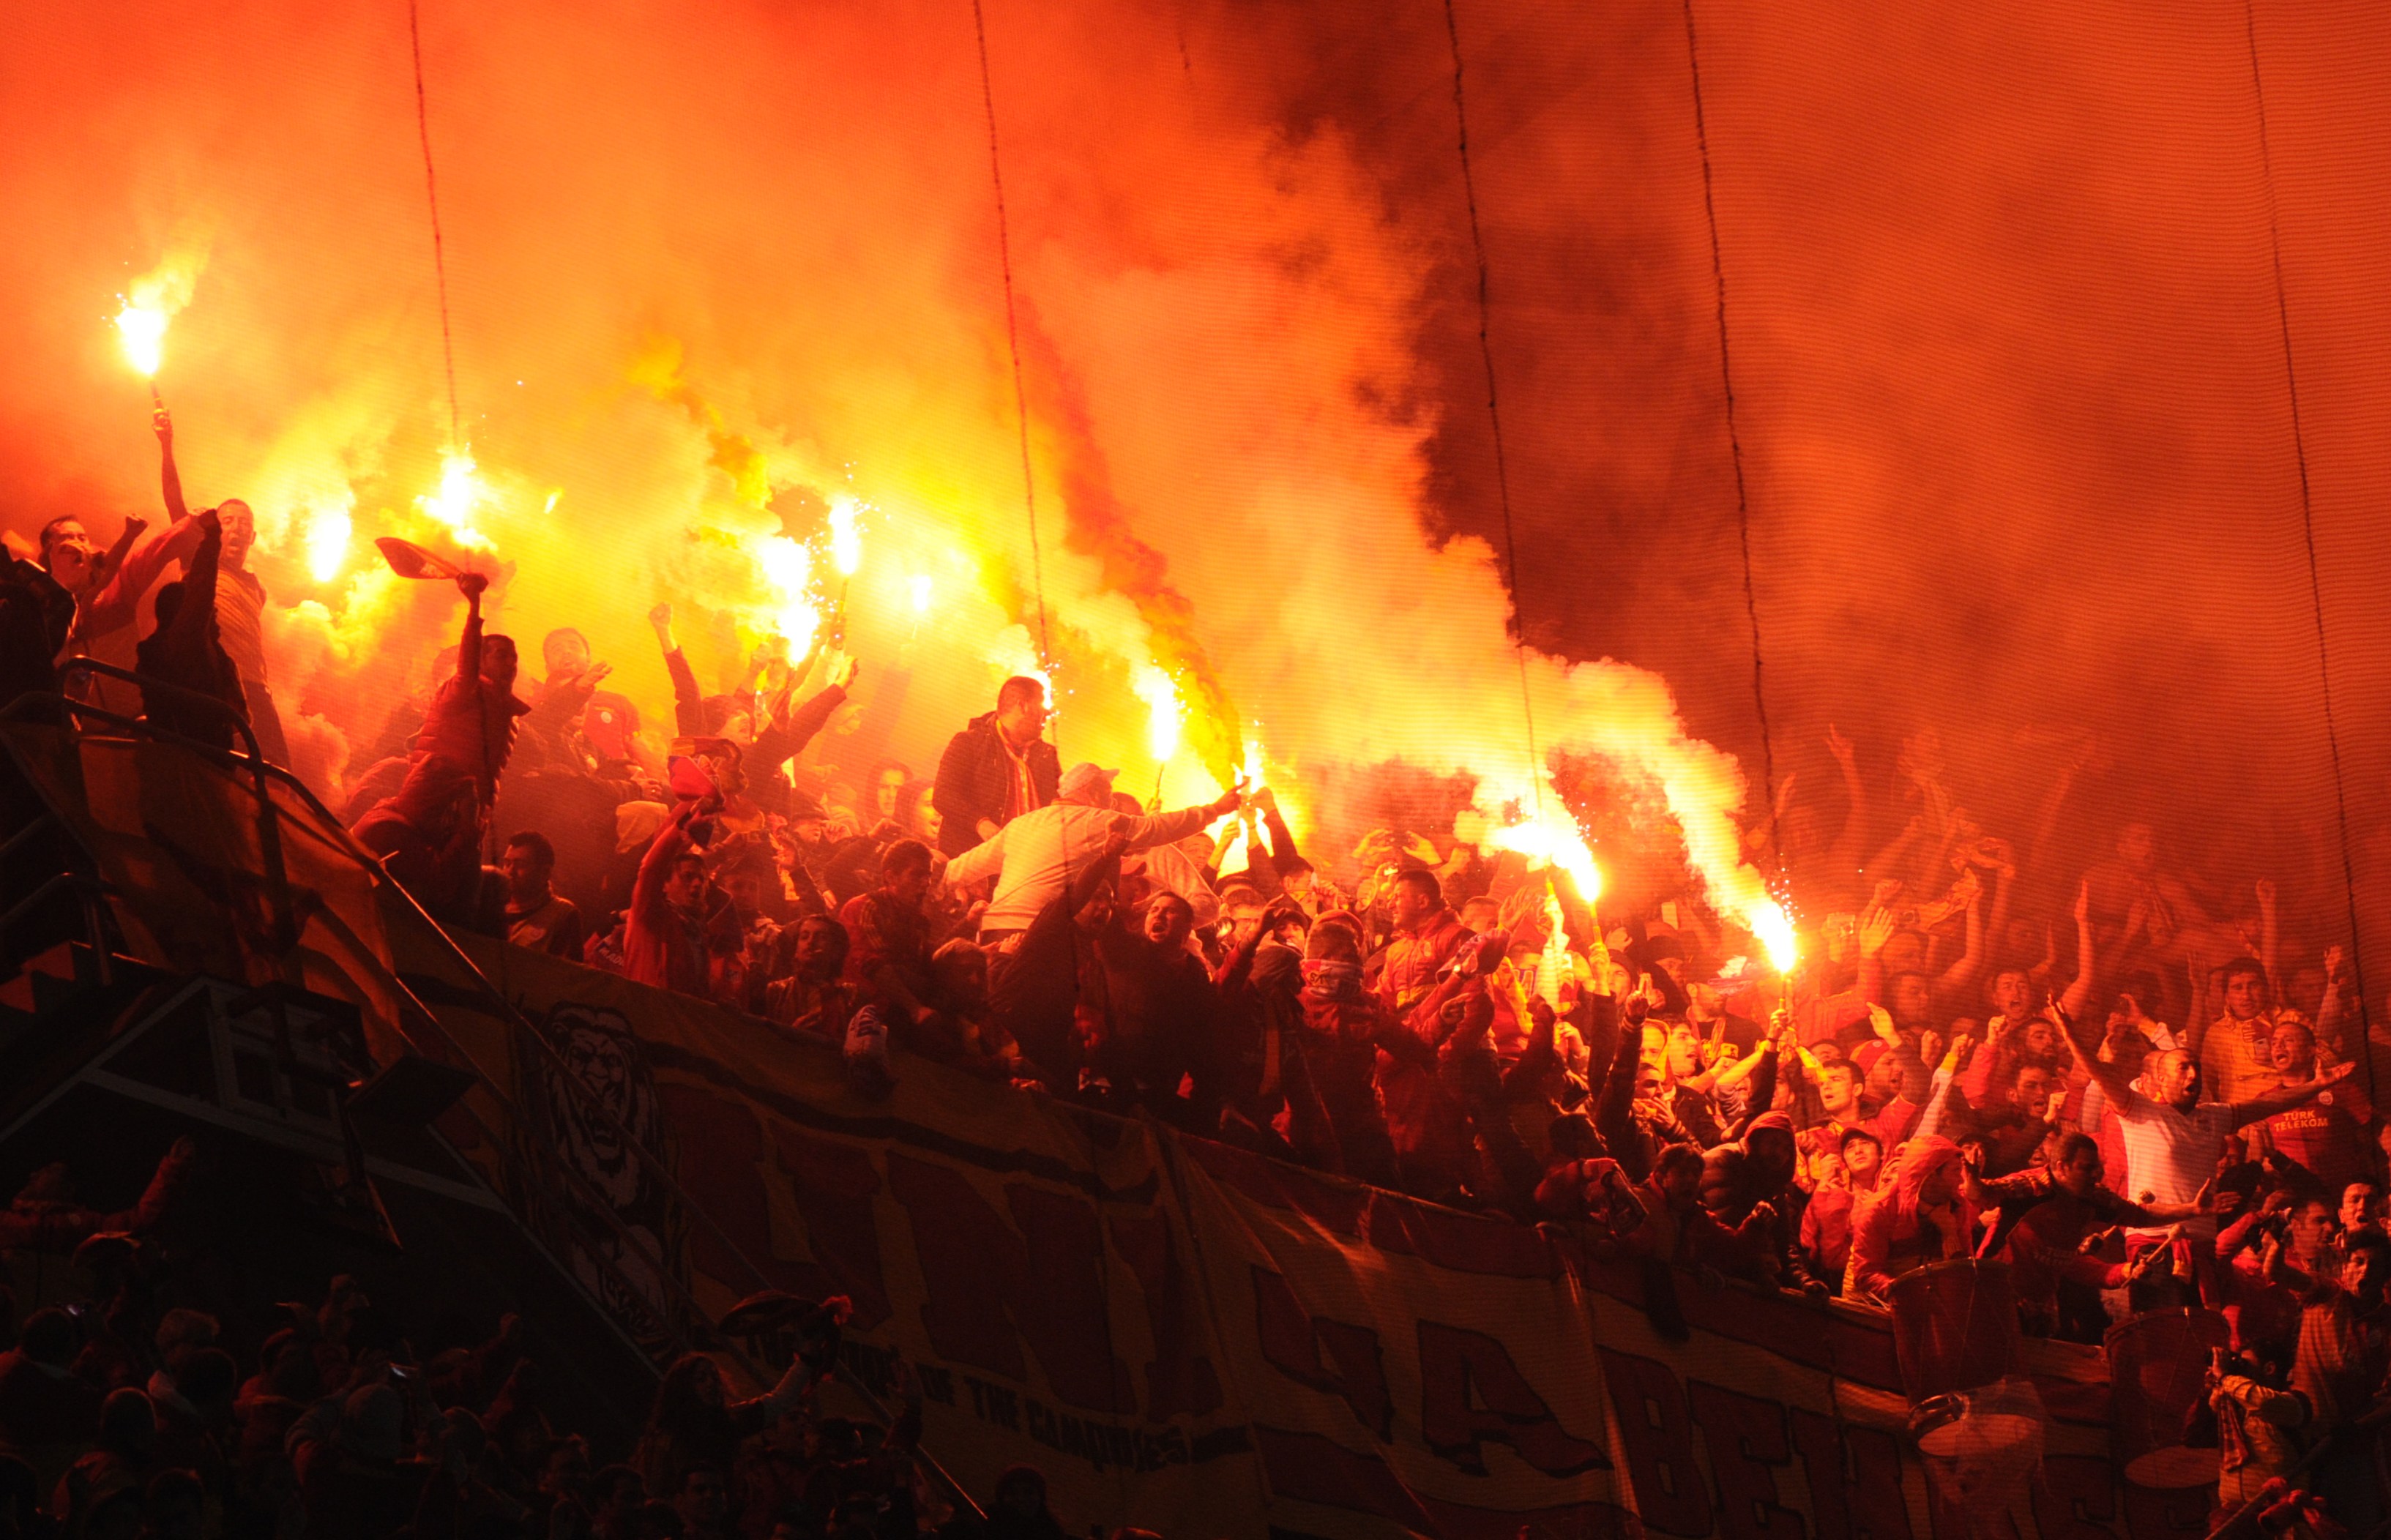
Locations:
(527, 1176)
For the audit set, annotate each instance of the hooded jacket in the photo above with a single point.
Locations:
(1891, 1233)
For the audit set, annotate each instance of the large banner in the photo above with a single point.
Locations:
(1180, 1335)
(1205, 1342)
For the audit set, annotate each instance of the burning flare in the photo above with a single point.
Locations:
(1555, 842)
(156, 299)
(460, 494)
(1774, 929)
(846, 539)
(328, 529)
(1165, 713)
(788, 568)
(143, 330)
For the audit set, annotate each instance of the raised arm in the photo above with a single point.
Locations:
(2329, 1008)
(1728, 1075)
(140, 557)
(1170, 828)
(469, 646)
(197, 609)
(1958, 973)
(787, 738)
(1764, 1089)
(2270, 934)
(648, 887)
(2282, 1098)
(1930, 1122)
(2088, 971)
(688, 703)
(112, 561)
(1614, 1109)
(170, 480)
(2114, 1084)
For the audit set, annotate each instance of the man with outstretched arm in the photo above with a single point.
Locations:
(1035, 857)
(2174, 1141)
(106, 587)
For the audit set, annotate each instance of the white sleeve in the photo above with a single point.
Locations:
(983, 859)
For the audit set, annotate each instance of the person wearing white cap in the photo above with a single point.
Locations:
(1036, 856)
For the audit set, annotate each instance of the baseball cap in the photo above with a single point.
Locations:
(1081, 777)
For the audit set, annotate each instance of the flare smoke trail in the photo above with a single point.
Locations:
(1235, 235)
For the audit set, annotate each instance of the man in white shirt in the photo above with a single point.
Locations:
(2174, 1139)
(1035, 857)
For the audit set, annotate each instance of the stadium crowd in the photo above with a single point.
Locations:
(161, 1408)
(2137, 1093)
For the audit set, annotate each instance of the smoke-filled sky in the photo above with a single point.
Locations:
(2008, 378)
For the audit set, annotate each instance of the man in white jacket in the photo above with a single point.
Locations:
(1035, 857)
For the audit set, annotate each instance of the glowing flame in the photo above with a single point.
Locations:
(1774, 928)
(846, 539)
(920, 584)
(328, 542)
(155, 300)
(460, 494)
(1553, 842)
(1165, 715)
(1555, 964)
(145, 338)
(789, 568)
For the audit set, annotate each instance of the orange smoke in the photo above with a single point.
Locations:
(1227, 419)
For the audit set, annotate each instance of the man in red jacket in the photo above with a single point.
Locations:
(1428, 935)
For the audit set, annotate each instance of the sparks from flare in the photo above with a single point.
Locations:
(1555, 844)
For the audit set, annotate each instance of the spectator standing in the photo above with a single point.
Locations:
(997, 768)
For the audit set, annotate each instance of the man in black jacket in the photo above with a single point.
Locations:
(997, 768)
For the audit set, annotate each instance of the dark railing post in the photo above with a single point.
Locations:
(269, 829)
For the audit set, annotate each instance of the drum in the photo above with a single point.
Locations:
(2158, 1372)
(1980, 1448)
(1954, 1326)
